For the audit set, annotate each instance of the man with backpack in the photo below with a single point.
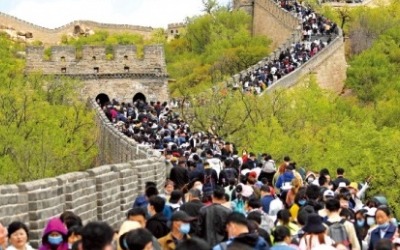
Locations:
(210, 179)
(228, 173)
(340, 230)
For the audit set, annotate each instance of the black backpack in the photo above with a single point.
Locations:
(230, 173)
(208, 183)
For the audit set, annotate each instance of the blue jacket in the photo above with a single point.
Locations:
(288, 176)
(266, 201)
(376, 235)
(281, 246)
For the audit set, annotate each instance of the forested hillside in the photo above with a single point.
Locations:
(318, 129)
(44, 129)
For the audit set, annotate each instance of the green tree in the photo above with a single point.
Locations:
(44, 129)
(211, 48)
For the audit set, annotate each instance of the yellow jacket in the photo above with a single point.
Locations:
(167, 242)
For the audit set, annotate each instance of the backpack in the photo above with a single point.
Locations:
(208, 187)
(229, 174)
(337, 231)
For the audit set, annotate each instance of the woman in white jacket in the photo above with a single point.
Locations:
(18, 236)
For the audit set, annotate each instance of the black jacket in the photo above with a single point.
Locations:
(211, 223)
(192, 208)
(338, 180)
(251, 240)
(180, 176)
(157, 225)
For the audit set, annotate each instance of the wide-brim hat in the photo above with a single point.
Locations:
(314, 224)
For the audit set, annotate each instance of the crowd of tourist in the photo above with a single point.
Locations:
(216, 198)
(317, 33)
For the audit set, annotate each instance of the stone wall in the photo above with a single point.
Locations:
(64, 60)
(53, 36)
(284, 29)
(102, 193)
(270, 20)
(329, 65)
(124, 89)
(122, 77)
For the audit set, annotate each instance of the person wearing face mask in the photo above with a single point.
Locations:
(54, 236)
(370, 221)
(361, 226)
(385, 229)
(300, 200)
(180, 228)
(193, 206)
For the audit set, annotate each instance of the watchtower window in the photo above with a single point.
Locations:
(176, 31)
(96, 69)
(94, 58)
(63, 59)
(126, 69)
(172, 31)
(126, 57)
(63, 70)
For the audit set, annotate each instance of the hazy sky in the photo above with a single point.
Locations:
(55, 13)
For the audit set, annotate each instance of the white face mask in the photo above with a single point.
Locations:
(199, 187)
(370, 221)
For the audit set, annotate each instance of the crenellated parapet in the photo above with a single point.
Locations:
(95, 60)
(77, 27)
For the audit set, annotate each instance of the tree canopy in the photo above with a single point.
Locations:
(212, 47)
(45, 130)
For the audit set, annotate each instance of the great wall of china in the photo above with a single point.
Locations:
(106, 192)
(53, 36)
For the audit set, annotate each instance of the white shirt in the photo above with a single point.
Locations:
(305, 242)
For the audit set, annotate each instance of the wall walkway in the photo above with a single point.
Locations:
(284, 28)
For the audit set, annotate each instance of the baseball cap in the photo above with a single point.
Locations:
(181, 216)
(253, 174)
(329, 193)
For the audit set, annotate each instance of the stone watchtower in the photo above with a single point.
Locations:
(126, 77)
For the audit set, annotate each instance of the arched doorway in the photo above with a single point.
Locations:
(139, 96)
(102, 99)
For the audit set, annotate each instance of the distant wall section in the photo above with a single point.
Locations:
(270, 20)
(285, 29)
(53, 36)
